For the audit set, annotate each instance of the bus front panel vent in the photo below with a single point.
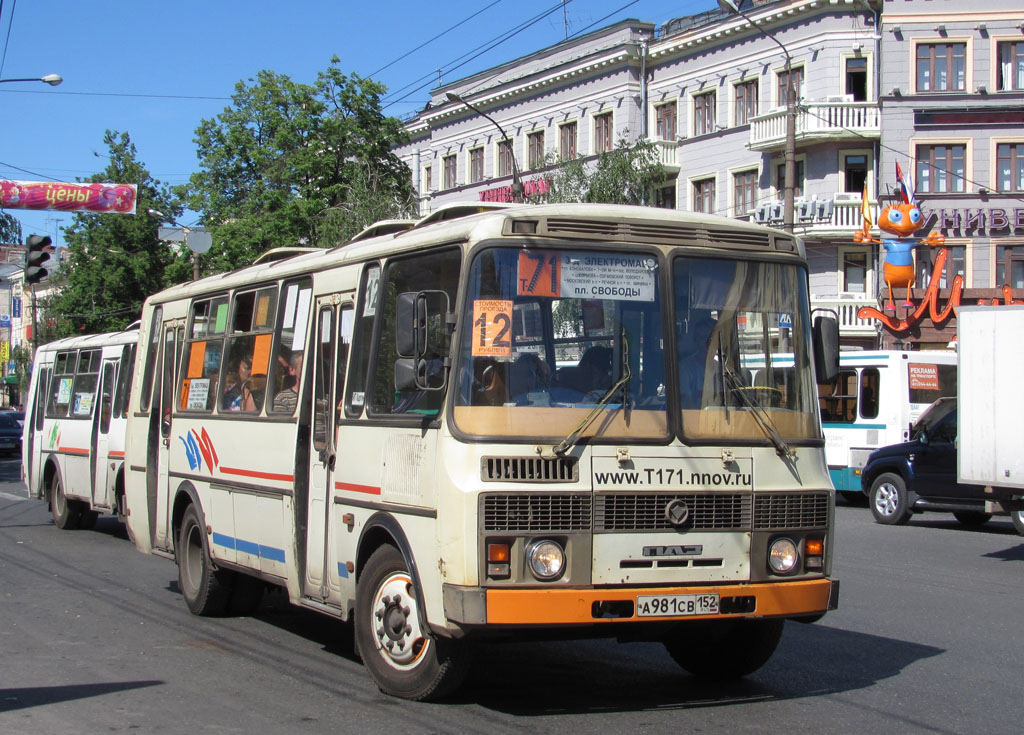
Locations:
(529, 469)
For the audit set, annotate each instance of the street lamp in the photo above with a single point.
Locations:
(52, 79)
(518, 193)
(733, 6)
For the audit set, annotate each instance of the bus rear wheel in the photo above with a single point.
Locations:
(204, 588)
(402, 657)
(724, 649)
(65, 512)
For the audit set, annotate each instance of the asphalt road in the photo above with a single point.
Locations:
(94, 637)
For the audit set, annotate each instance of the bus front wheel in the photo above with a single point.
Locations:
(65, 512)
(400, 654)
(724, 649)
(204, 588)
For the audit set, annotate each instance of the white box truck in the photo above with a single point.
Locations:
(990, 405)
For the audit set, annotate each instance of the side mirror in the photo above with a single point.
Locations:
(826, 348)
(411, 325)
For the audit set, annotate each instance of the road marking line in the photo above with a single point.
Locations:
(13, 497)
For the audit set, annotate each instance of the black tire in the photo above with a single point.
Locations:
(972, 518)
(401, 656)
(65, 512)
(724, 649)
(206, 590)
(889, 502)
(1017, 516)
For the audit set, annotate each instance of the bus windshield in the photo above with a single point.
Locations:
(733, 319)
(551, 332)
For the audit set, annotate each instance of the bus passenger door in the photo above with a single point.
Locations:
(163, 412)
(35, 421)
(100, 439)
(332, 338)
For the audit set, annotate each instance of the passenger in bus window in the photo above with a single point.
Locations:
(529, 377)
(286, 400)
(238, 375)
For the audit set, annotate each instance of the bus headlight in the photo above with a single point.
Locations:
(783, 556)
(546, 559)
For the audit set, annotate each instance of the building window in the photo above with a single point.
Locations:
(603, 133)
(704, 113)
(857, 78)
(504, 158)
(854, 270)
(955, 262)
(744, 192)
(940, 168)
(666, 121)
(941, 67)
(1010, 266)
(798, 181)
(567, 141)
(797, 75)
(1010, 73)
(665, 197)
(1010, 166)
(746, 102)
(449, 163)
(428, 179)
(536, 143)
(704, 196)
(855, 172)
(476, 165)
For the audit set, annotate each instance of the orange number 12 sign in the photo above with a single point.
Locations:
(492, 328)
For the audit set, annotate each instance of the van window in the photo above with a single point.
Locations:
(929, 382)
(838, 400)
(869, 383)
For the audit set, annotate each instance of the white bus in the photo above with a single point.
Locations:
(521, 420)
(873, 402)
(73, 441)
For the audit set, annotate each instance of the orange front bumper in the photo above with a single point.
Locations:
(570, 606)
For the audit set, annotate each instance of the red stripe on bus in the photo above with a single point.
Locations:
(258, 475)
(74, 450)
(116, 454)
(352, 487)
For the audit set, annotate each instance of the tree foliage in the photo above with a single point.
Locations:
(10, 229)
(289, 163)
(627, 174)
(115, 261)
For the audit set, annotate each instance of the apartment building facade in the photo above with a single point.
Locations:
(711, 91)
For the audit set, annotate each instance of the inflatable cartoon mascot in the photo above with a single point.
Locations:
(901, 219)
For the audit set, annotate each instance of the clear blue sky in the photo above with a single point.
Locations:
(155, 69)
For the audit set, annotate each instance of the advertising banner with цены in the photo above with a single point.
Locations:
(65, 197)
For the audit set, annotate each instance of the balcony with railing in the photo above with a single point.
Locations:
(668, 155)
(839, 216)
(815, 122)
(846, 309)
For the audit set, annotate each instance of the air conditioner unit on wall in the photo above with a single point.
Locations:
(846, 196)
(839, 98)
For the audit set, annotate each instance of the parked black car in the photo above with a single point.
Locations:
(10, 434)
(920, 475)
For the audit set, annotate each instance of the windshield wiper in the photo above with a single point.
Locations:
(761, 416)
(570, 441)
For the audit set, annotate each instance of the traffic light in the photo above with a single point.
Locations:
(37, 254)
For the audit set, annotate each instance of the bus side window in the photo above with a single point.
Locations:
(838, 400)
(366, 314)
(286, 369)
(151, 355)
(869, 380)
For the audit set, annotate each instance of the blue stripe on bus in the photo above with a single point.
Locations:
(852, 426)
(845, 479)
(248, 547)
(342, 570)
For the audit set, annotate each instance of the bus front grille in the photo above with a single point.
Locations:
(778, 511)
(647, 512)
(529, 469)
(536, 512)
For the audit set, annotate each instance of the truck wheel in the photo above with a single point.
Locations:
(972, 518)
(724, 649)
(1017, 517)
(400, 654)
(65, 512)
(889, 503)
(205, 589)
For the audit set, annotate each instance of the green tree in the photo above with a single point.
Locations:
(114, 260)
(627, 174)
(289, 163)
(10, 229)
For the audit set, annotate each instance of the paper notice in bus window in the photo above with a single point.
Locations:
(539, 273)
(492, 328)
(262, 310)
(64, 391)
(196, 393)
(261, 354)
(195, 359)
(83, 404)
(924, 377)
(221, 321)
(301, 319)
(289, 306)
